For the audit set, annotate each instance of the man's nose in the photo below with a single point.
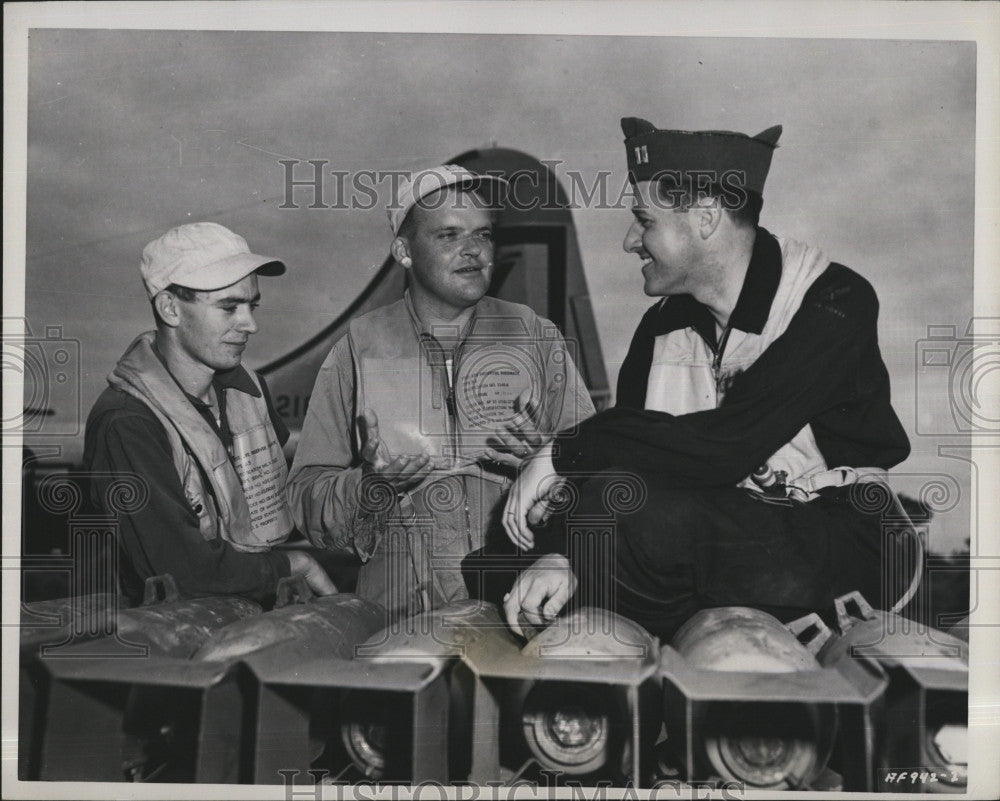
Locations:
(247, 323)
(633, 238)
(472, 246)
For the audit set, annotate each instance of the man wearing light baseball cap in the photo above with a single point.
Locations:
(200, 429)
(423, 411)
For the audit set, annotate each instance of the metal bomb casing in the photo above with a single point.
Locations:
(289, 657)
(333, 625)
(745, 700)
(437, 638)
(569, 702)
(141, 697)
(922, 731)
(45, 628)
(65, 621)
(385, 712)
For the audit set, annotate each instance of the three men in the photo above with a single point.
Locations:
(422, 411)
(752, 399)
(198, 429)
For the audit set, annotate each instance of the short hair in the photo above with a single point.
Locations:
(743, 205)
(408, 227)
(184, 293)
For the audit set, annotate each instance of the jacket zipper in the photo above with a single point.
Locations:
(450, 370)
(449, 401)
(717, 359)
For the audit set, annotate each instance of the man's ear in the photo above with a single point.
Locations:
(708, 218)
(400, 250)
(168, 308)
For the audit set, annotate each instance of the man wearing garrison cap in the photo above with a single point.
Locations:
(751, 402)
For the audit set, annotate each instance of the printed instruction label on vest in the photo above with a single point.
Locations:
(415, 415)
(487, 399)
(491, 381)
(261, 468)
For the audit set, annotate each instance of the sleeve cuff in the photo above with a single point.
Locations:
(280, 566)
(574, 452)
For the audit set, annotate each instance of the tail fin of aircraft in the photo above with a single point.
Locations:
(537, 263)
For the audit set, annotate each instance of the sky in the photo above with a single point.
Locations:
(133, 132)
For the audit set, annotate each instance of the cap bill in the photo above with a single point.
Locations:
(227, 272)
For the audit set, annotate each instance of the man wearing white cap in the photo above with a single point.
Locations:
(199, 429)
(423, 411)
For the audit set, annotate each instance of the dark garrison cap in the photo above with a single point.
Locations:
(652, 152)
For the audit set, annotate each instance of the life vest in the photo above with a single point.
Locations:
(244, 501)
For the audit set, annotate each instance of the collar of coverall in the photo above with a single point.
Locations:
(440, 333)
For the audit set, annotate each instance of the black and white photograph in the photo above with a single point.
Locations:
(503, 399)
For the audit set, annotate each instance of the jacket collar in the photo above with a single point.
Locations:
(752, 307)
(237, 378)
(760, 285)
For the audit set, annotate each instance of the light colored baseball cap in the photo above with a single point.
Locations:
(425, 182)
(202, 255)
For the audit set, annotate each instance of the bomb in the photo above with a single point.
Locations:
(139, 694)
(923, 726)
(570, 702)
(735, 682)
(334, 624)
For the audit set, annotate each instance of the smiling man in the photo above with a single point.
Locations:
(752, 399)
(423, 411)
(198, 429)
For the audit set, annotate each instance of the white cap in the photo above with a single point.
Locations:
(426, 182)
(201, 255)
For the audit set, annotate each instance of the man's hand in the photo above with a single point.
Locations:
(528, 501)
(540, 592)
(520, 438)
(302, 564)
(404, 472)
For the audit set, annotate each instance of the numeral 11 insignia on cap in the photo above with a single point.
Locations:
(641, 156)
